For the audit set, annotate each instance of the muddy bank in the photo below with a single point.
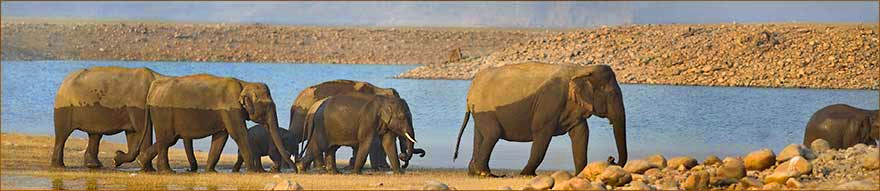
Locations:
(756, 55)
(153, 41)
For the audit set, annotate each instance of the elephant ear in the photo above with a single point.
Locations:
(384, 118)
(247, 102)
(581, 91)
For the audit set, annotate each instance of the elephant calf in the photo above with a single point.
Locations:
(260, 145)
(843, 126)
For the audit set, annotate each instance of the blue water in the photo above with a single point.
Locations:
(671, 120)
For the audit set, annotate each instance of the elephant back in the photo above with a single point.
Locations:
(110, 87)
(337, 87)
(512, 83)
(200, 91)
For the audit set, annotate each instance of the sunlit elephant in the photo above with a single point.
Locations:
(197, 106)
(354, 119)
(103, 101)
(536, 101)
(312, 94)
(843, 126)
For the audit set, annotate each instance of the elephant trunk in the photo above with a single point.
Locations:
(617, 116)
(272, 124)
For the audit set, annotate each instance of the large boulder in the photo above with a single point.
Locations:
(794, 150)
(593, 169)
(711, 160)
(615, 176)
(542, 182)
(820, 145)
(698, 180)
(871, 160)
(657, 160)
(732, 168)
(687, 162)
(760, 159)
(638, 166)
(792, 168)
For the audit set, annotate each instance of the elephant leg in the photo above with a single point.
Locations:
(488, 130)
(361, 157)
(539, 149)
(146, 158)
(164, 165)
(377, 156)
(351, 160)
(132, 139)
(91, 155)
(190, 156)
(218, 141)
(315, 155)
(277, 162)
(330, 160)
(237, 166)
(390, 147)
(239, 135)
(61, 135)
(580, 136)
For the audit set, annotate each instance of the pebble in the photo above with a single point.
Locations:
(711, 160)
(749, 182)
(593, 169)
(615, 176)
(685, 161)
(560, 176)
(820, 145)
(794, 183)
(638, 166)
(657, 160)
(638, 186)
(760, 159)
(732, 168)
(794, 150)
(698, 180)
(435, 185)
(795, 167)
(287, 185)
(541, 182)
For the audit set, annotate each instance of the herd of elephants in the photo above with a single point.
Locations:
(526, 102)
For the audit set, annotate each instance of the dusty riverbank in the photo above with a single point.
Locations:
(24, 163)
(29, 39)
(755, 55)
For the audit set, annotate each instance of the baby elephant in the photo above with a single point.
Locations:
(355, 119)
(843, 126)
(260, 144)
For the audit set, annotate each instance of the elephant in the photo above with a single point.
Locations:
(257, 137)
(196, 106)
(104, 101)
(535, 101)
(354, 119)
(843, 126)
(312, 94)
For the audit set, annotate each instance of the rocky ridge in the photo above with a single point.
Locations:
(757, 55)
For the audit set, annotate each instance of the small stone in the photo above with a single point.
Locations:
(287, 185)
(652, 172)
(697, 181)
(871, 160)
(687, 162)
(760, 159)
(594, 169)
(639, 186)
(711, 160)
(792, 168)
(749, 182)
(615, 176)
(794, 150)
(732, 168)
(560, 176)
(638, 166)
(541, 182)
(857, 185)
(657, 160)
(669, 184)
(773, 186)
(435, 185)
(794, 183)
(820, 145)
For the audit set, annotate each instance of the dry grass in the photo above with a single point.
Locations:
(27, 157)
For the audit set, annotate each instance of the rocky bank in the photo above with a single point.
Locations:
(151, 41)
(757, 55)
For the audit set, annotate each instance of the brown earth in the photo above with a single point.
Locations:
(28, 39)
(757, 55)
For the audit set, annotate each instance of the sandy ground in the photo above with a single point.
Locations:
(24, 163)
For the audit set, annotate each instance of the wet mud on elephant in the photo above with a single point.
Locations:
(104, 101)
(197, 106)
(533, 102)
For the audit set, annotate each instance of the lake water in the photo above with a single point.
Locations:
(671, 120)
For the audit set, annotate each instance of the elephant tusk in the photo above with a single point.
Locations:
(409, 137)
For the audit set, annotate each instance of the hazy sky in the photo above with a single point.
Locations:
(497, 14)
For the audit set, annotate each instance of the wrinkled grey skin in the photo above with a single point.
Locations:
(843, 126)
(260, 145)
(355, 119)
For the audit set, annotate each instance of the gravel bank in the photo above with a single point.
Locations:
(756, 55)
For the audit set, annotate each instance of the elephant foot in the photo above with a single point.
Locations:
(119, 159)
(93, 164)
(527, 174)
(215, 170)
(486, 175)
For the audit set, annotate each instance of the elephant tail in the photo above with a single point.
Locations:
(460, 132)
(308, 126)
